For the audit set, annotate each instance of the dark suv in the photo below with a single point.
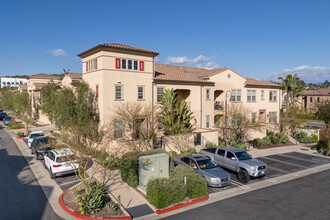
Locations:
(40, 146)
(3, 115)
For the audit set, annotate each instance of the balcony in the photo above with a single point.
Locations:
(219, 105)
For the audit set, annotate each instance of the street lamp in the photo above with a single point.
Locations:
(226, 118)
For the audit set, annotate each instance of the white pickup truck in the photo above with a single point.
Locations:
(238, 161)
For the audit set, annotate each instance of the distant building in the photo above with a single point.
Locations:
(312, 98)
(12, 82)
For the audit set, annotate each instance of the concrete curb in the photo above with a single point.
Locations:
(85, 217)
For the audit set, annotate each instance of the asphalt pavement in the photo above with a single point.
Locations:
(303, 198)
(21, 196)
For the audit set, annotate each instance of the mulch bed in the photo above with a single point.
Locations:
(274, 145)
(69, 199)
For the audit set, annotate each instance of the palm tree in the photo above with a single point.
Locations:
(293, 86)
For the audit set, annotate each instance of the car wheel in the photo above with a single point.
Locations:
(37, 156)
(52, 175)
(243, 176)
(32, 151)
(44, 163)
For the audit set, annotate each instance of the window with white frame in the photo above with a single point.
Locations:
(235, 95)
(262, 94)
(119, 92)
(129, 64)
(273, 96)
(160, 93)
(207, 93)
(253, 117)
(251, 95)
(207, 121)
(140, 92)
(118, 130)
(91, 65)
(272, 117)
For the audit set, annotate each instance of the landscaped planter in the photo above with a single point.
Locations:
(14, 128)
(273, 145)
(76, 214)
(181, 205)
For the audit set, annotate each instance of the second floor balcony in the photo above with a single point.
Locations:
(219, 106)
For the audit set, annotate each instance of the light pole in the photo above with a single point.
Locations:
(226, 118)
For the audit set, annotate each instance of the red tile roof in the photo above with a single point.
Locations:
(254, 82)
(44, 76)
(319, 92)
(120, 47)
(74, 75)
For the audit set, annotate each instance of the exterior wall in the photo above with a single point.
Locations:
(312, 106)
(13, 82)
(66, 82)
(107, 77)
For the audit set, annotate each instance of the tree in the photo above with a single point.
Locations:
(48, 100)
(293, 86)
(240, 124)
(21, 103)
(6, 100)
(174, 114)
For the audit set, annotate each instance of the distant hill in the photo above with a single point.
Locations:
(26, 76)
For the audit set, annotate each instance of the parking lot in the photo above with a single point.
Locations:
(64, 182)
(279, 164)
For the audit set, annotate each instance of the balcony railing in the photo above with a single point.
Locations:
(218, 105)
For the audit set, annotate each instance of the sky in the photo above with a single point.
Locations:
(261, 39)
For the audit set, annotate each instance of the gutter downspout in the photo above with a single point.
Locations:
(201, 124)
(152, 92)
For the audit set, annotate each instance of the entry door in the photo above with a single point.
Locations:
(262, 116)
(198, 139)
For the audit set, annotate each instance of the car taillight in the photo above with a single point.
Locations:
(57, 165)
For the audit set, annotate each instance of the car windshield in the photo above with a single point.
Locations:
(36, 135)
(42, 141)
(242, 155)
(7, 118)
(206, 164)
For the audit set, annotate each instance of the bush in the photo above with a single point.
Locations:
(129, 165)
(241, 145)
(15, 126)
(190, 151)
(302, 137)
(323, 147)
(315, 138)
(95, 200)
(20, 134)
(271, 138)
(172, 153)
(196, 184)
(163, 192)
(210, 144)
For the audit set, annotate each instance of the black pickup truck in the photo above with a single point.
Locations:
(40, 146)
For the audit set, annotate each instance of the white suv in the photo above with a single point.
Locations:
(33, 135)
(58, 162)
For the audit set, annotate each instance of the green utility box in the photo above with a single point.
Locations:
(153, 166)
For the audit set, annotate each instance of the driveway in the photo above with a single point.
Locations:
(21, 196)
(303, 198)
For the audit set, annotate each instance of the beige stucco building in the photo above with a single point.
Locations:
(310, 99)
(119, 73)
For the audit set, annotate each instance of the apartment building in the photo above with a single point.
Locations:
(310, 99)
(70, 80)
(8, 82)
(119, 73)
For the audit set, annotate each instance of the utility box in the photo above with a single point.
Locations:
(153, 166)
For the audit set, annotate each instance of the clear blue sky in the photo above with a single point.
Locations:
(261, 39)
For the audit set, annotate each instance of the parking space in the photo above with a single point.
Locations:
(64, 182)
(279, 164)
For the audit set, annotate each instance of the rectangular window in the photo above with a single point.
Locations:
(272, 117)
(235, 95)
(141, 65)
(318, 99)
(311, 99)
(207, 121)
(135, 65)
(140, 92)
(251, 95)
(253, 117)
(262, 94)
(129, 65)
(91, 65)
(117, 63)
(160, 93)
(118, 92)
(207, 93)
(118, 130)
(273, 96)
(123, 64)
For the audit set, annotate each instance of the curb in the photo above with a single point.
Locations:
(85, 217)
(181, 205)
(20, 137)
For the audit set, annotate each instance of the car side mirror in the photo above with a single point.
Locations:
(195, 168)
(233, 158)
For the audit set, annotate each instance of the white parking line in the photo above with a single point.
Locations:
(270, 179)
(68, 182)
(239, 184)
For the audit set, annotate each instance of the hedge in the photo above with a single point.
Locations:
(271, 138)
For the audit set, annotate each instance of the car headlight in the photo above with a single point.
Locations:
(214, 179)
(253, 167)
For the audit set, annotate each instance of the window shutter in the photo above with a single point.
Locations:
(117, 63)
(141, 65)
(97, 91)
(86, 66)
(95, 64)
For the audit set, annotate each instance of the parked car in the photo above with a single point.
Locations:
(7, 120)
(40, 146)
(3, 115)
(214, 175)
(33, 135)
(60, 162)
(237, 160)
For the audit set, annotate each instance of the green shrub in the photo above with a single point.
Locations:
(15, 126)
(302, 137)
(20, 134)
(271, 138)
(323, 147)
(241, 145)
(196, 184)
(283, 138)
(314, 138)
(172, 153)
(190, 151)
(112, 206)
(95, 199)
(210, 144)
(163, 192)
